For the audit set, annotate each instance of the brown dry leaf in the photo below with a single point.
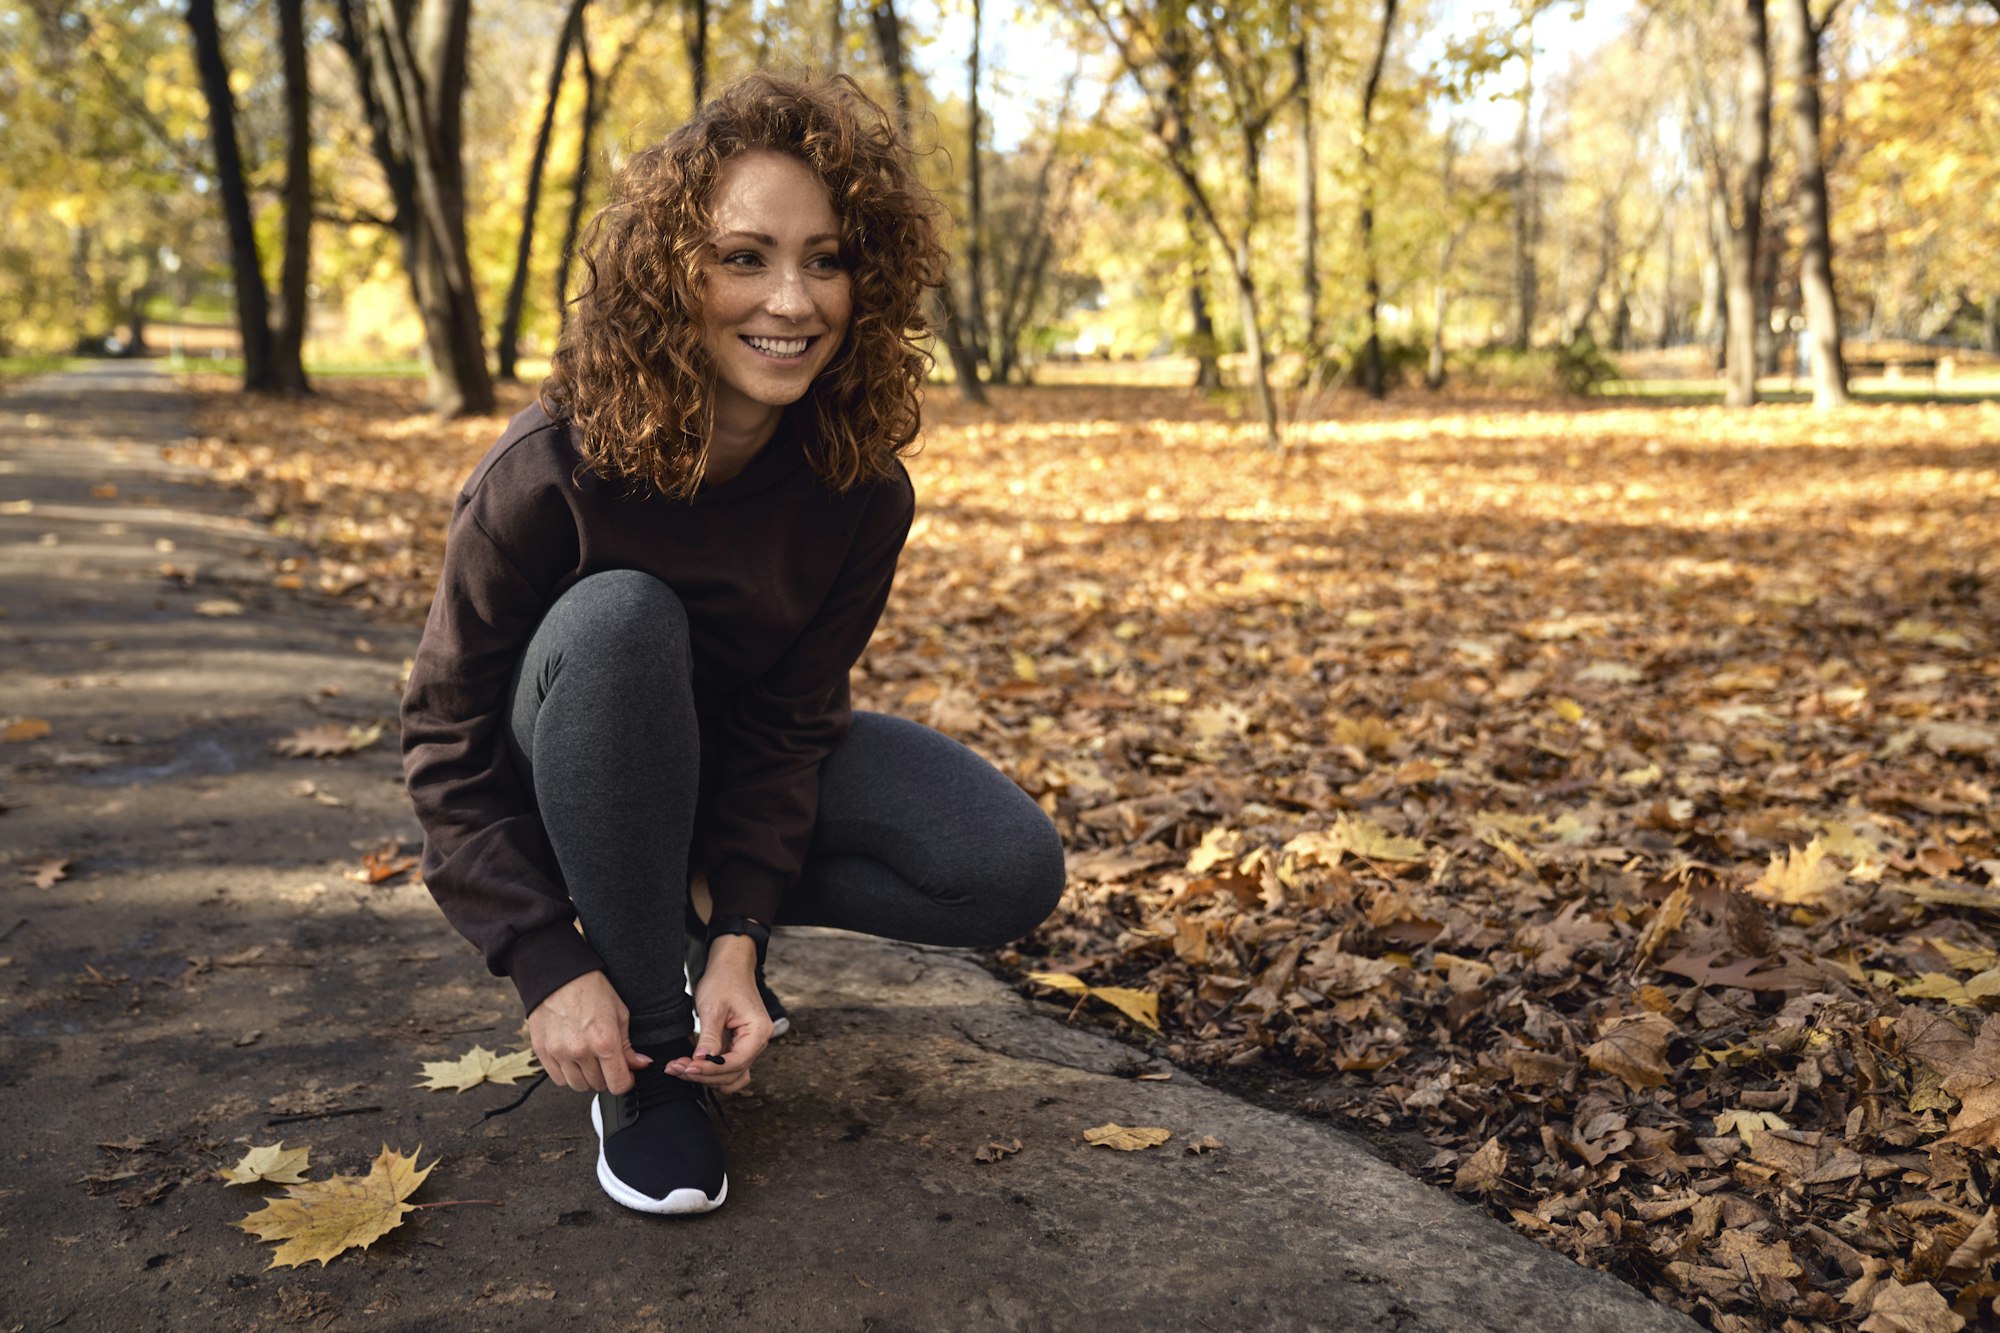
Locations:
(326, 740)
(1635, 1049)
(1126, 1138)
(320, 1219)
(273, 1162)
(994, 1151)
(1912, 1309)
(1207, 1143)
(26, 729)
(45, 873)
(1484, 1171)
(218, 606)
(475, 1067)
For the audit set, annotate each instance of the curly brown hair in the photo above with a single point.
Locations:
(630, 371)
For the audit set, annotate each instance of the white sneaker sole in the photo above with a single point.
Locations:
(680, 1202)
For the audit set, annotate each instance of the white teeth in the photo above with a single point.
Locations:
(779, 346)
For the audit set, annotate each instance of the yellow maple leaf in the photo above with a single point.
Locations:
(1141, 1006)
(273, 1162)
(1368, 839)
(475, 1067)
(1745, 1124)
(321, 1218)
(1127, 1138)
(1799, 875)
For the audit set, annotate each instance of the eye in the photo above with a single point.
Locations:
(742, 259)
(826, 263)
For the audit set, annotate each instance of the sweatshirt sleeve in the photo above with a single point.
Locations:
(783, 724)
(487, 859)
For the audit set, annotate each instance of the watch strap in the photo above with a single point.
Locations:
(759, 933)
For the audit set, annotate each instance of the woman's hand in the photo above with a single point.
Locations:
(734, 1022)
(580, 1033)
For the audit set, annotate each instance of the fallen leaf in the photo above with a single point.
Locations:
(994, 1151)
(1366, 838)
(45, 873)
(475, 1067)
(320, 1219)
(218, 606)
(1138, 1005)
(1799, 875)
(273, 1162)
(326, 740)
(1918, 1308)
(1126, 1138)
(1484, 1171)
(1635, 1049)
(1745, 1124)
(27, 729)
(1207, 1143)
(384, 863)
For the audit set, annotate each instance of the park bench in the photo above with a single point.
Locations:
(1893, 369)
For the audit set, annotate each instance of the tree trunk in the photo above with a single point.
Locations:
(1308, 150)
(409, 63)
(1179, 63)
(978, 330)
(1828, 367)
(573, 223)
(951, 328)
(837, 35)
(1371, 355)
(288, 350)
(696, 35)
(1526, 280)
(507, 342)
(253, 302)
(1989, 333)
(1753, 154)
(1253, 343)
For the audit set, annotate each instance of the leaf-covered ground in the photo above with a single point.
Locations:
(1606, 793)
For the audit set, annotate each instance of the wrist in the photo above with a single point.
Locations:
(734, 952)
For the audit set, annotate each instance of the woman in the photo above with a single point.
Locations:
(629, 710)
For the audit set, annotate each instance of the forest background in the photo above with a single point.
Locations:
(1342, 513)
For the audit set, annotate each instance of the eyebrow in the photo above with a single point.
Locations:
(763, 239)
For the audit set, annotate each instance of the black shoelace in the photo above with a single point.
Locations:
(650, 1092)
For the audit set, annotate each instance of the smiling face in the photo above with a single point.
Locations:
(775, 298)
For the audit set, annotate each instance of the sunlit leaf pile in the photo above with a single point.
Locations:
(1606, 795)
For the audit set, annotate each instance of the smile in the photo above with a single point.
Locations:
(782, 348)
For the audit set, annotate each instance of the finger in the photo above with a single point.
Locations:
(614, 1075)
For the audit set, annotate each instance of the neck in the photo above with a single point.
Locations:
(737, 437)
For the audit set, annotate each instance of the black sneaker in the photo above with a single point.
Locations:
(697, 961)
(656, 1147)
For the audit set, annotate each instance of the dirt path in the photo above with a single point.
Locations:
(206, 965)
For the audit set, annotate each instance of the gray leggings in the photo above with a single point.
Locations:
(917, 838)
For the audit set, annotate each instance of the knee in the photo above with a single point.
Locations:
(623, 610)
(1032, 877)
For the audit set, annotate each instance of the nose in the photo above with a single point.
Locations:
(789, 297)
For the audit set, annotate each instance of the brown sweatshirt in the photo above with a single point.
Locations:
(783, 581)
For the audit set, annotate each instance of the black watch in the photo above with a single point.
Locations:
(759, 933)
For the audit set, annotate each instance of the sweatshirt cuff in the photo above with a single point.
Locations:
(545, 960)
(741, 888)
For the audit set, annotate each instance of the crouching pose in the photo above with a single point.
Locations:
(630, 707)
